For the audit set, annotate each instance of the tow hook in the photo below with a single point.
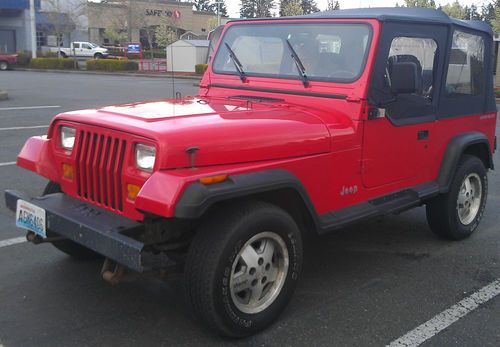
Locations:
(36, 239)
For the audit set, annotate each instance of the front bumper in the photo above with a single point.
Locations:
(104, 232)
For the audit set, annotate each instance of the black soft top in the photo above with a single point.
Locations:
(404, 14)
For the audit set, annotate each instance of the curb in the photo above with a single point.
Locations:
(129, 74)
(3, 95)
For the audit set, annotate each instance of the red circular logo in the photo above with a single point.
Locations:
(177, 14)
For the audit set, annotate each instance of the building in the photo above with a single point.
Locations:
(57, 24)
(183, 55)
(144, 16)
(15, 33)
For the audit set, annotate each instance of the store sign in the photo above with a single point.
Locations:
(176, 14)
(134, 48)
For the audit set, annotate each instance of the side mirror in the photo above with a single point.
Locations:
(404, 78)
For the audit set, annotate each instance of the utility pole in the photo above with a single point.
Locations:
(129, 21)
(33, 28)
(218, 2)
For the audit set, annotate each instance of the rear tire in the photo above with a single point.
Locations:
(456, 214)
(242, 268)
(63, 55)
(66, 246)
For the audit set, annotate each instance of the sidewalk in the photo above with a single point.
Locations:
(179, 75)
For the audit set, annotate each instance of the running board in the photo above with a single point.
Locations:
(392, 203)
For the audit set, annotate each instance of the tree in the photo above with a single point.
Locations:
(64, 17)
(420, 3)
(291, 8)
(202, 5)
(222, 7)
(256, 8)
(164, 33)
(455, 10)
(332, 5)
(309, 6)
(495, 23)
(115, 33)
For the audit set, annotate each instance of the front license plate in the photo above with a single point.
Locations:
(31, 217)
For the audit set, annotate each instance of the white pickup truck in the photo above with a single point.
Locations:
(84, 50)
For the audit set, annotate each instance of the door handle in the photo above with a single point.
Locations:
(422, 135)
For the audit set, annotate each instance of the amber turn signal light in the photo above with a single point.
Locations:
(132, 191)
(67, 171)
(213, 179)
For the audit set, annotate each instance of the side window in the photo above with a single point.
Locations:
(86, 46)
(421, 52)
(466, 66)
(76, 45)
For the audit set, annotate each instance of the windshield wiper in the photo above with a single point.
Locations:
(237, 63)
(298, 63)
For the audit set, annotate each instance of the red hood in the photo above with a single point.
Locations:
(224, 130)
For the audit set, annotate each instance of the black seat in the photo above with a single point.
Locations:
(408, 58)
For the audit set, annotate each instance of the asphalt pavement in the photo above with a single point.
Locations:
(367, 285)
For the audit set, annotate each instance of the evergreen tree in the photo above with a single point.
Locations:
(309, 6)
(202, 5)
(420, 3)
(222, 7)
(256, 8)
(332, 5)
(291, 8)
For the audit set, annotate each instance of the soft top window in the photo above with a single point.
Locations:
(328, 51)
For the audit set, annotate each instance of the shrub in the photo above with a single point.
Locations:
(23, 58)
(52, 63)
(112, 65)
(497, 92)
(200, 68)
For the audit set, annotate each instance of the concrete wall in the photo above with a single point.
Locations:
(20, 25)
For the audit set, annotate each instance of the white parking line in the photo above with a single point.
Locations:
(14, 241)
(446, 318)
(27, 108)
(21, 128)
(8, 163)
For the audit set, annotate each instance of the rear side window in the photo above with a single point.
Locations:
(466, 66)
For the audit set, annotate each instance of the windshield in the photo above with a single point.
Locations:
(93, 45)
(328, 51)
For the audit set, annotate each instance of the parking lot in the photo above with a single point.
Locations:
(367, 285)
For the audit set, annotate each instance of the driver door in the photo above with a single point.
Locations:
(397, 141)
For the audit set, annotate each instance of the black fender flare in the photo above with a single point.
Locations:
(454, 150)
(197, 198)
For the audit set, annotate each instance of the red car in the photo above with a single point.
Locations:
(301, 125)
(7, 61)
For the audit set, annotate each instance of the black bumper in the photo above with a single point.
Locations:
(92, 227)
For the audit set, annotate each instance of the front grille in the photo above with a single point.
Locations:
(99, 164)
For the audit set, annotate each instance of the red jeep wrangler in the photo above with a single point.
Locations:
(301, 125)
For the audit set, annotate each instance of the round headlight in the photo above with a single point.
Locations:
(145, 157)
(68, 135)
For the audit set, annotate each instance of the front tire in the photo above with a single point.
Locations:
(66, 246)
(242, 268)
(4, 66)
(456, 214)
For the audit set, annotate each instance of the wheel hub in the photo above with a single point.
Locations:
(469, 198)
(259, 272)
